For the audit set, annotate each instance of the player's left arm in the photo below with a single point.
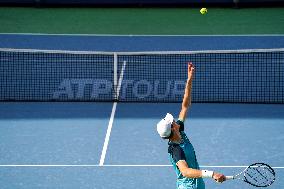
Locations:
(186, 102)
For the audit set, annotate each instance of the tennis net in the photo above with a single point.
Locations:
(235, 76)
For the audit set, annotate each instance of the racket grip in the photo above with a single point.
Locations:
(229, 177)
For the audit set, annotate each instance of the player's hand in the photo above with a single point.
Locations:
(190, 71)
(218, 177)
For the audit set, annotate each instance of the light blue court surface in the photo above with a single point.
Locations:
(59, 145)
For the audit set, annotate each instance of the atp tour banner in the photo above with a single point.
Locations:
(128, 90)
(88, 89)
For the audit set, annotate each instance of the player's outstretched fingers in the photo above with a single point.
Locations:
(190, 70)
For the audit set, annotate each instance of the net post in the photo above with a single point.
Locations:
(115, 62)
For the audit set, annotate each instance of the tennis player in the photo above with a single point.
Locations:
(181, 151)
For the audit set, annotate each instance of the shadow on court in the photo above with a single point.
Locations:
(40, 110)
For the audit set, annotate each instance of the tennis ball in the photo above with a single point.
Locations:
(203, 10)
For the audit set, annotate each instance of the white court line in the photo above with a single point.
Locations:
(203, 166)
(103, 155)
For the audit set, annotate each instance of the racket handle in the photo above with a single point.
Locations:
(229, 177)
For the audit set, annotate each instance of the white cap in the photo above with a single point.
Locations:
(164, 126)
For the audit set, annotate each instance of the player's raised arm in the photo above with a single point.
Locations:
(186, 102)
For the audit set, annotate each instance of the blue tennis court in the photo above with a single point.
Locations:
(59, 145)
(115, 144)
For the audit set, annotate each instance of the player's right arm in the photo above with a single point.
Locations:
(178, 156)
(195, 173)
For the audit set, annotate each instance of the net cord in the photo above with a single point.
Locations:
(142, 52)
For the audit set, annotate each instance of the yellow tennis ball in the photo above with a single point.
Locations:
(203, 10)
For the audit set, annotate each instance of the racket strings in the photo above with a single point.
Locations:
(260, 175)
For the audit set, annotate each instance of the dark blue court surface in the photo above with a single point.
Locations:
(139, 43)
(59, 145)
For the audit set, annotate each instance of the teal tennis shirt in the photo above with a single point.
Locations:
(184, 151)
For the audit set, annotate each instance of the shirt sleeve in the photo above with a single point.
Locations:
(177, 153)
(181, 124)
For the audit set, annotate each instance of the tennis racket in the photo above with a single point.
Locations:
(257, 174)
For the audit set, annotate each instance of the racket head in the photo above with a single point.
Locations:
(259, 175)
